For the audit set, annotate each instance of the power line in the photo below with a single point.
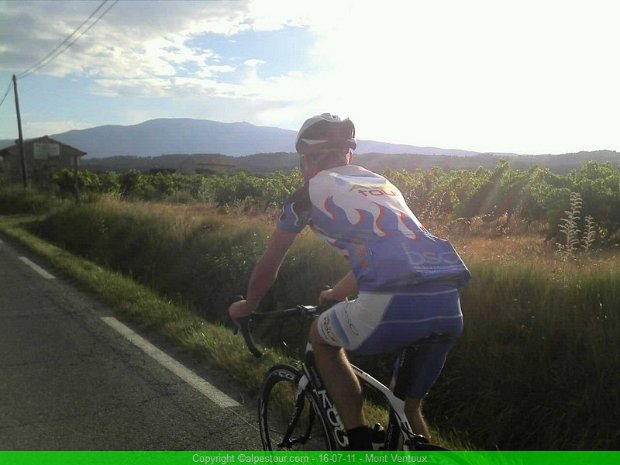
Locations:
(62, 46)
(6, 93)
(49, 55)
(68, 41)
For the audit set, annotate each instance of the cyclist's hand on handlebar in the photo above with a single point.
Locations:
(240, 312)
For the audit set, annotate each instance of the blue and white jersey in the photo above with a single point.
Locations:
(366, 218)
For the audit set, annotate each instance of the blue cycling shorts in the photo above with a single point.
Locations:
(377, 323)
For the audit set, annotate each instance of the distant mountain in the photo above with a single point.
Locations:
(181, 135)
(163, 136)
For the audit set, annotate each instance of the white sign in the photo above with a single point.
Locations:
(43, 151)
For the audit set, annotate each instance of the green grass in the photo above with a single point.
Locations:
(537, 364)
(17, 200)
(536, 368)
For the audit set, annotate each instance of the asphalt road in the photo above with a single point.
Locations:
(69, 380)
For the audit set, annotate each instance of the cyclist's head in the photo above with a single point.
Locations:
(323, 132)
(326, 140)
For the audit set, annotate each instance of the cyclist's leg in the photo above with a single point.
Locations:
(432, 338)
(413, 410)
(343, 387)
(360, 325)
(427, 364)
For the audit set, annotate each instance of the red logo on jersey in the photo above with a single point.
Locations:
(376, 192)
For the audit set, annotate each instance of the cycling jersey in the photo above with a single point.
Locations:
(366, 218)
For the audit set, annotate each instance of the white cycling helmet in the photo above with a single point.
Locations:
(325, 131)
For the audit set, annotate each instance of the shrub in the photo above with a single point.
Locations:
(16, 200)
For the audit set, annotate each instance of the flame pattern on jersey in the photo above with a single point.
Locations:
(367, 219)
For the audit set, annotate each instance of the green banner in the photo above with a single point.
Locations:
(318, 458)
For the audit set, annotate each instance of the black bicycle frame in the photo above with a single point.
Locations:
(326, 404)
(396, 423)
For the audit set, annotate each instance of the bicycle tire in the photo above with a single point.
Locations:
(277, 413)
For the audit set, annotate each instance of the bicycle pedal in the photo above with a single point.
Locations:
(419, 439)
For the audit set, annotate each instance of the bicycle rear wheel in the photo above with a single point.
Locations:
(289, 419)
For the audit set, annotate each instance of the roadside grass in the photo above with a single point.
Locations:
(536, 366)
(540, 353)
(17, 200)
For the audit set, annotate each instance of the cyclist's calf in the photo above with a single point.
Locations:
(340, 380)
(413, 410)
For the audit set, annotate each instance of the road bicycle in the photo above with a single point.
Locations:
(296, 413)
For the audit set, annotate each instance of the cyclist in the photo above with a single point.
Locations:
(406, 280)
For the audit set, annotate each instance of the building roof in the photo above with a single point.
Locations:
(12, 149)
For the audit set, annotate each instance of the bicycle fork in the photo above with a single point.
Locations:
(298, 410)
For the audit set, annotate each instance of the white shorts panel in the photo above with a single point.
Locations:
(348, 324)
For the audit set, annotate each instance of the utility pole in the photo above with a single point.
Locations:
(21, 137)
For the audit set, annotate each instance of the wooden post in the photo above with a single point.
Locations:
(21, 137)
(76, 185)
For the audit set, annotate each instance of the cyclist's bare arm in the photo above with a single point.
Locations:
(346, 287)
(264, 274)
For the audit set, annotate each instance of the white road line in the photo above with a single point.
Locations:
(187, 375)
(37, 268)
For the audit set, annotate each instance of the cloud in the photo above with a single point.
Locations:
(122, 43)
(285, 89)
(126, 55)
(407, 71)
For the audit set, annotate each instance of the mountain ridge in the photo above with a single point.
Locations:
(162, 136)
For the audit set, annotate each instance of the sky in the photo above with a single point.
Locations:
(522, 76)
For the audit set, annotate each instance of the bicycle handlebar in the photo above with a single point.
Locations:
(247, 324)
(246, 332)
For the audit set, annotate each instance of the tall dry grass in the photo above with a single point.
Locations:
(536, 368)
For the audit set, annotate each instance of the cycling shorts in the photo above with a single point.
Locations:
(378, 323)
